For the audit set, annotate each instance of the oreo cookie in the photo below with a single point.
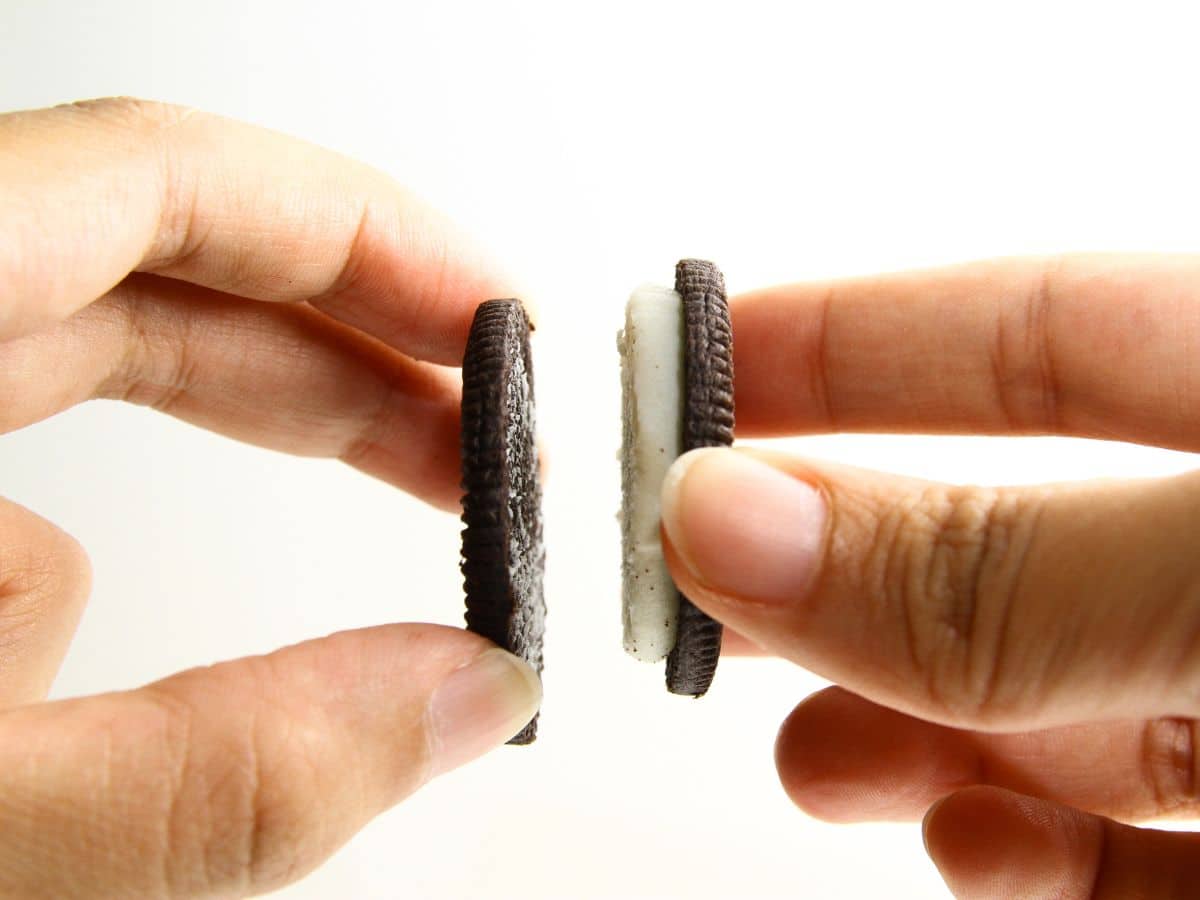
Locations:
(503, 556)
(677, 387)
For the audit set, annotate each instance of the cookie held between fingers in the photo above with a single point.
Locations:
(677, 391)
(503, 556)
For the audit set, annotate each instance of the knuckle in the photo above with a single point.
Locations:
(131, 112)
(175, 378)
(1169, 764)
(1024, 357)
(948, 565)
(158, 367)
(149, 125)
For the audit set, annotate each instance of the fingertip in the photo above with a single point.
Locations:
(413, 440)
(803, 765)
(987, 842)
(44, 586)
(471, 277)
(842, 758)
(930, 814)
(543, 458)
(414, 281)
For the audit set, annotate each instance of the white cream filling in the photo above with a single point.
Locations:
(651, 347)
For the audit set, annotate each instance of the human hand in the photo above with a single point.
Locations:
(283, 295)
(1020, 666)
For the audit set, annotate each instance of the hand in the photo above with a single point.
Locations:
(1020, 666)
(279, 294)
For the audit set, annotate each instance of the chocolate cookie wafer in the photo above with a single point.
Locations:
(503, 557)
(707, 422)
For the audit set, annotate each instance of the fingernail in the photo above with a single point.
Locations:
(480, 706)
(743, 528)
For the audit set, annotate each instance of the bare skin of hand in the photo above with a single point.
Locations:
(282, 295)
(1018, 666)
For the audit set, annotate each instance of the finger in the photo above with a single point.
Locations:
(285, 377)
(45, 577)
(94, 191)
(241, 777)
(1006, 609)
(845, 759)
(990, 844)
(1102, 346)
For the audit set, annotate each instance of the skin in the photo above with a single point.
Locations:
(282, 295)
(1020, 667)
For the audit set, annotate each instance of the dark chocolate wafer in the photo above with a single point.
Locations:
(707, 422)
(503, 557)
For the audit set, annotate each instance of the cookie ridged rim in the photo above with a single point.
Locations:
(708, 422)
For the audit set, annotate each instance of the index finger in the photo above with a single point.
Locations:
(94, 191)
(1089, 345)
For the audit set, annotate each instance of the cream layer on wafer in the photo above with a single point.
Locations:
(651, 348)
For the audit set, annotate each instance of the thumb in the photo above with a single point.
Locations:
(241, 777)
(991, 608)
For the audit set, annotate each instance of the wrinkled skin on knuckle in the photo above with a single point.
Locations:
(252, 805)
(1182, 633)
(129, 112)
(269, 785)
(87, 796)
(946, 567)
(157, 367)
(1171, 766)
(111, 159)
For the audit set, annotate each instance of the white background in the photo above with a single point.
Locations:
(590, 147)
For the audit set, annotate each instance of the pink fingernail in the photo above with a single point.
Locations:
(480, 706)
(744, 528)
